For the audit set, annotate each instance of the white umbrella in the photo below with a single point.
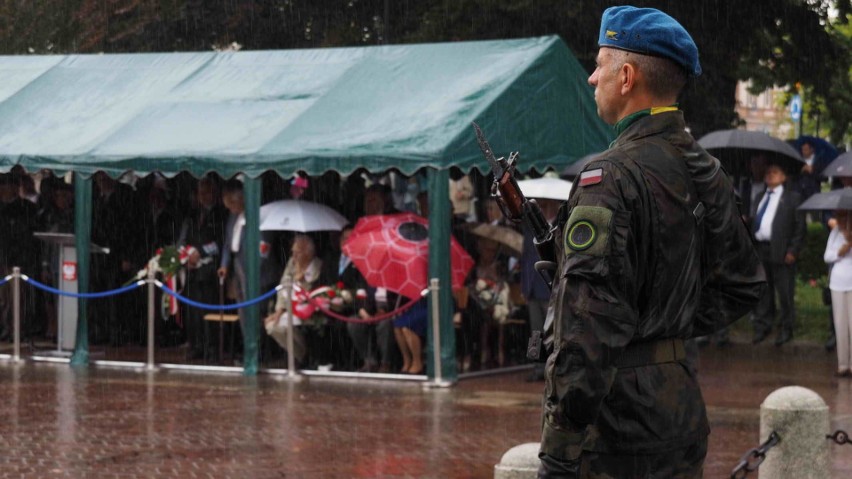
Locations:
(550, 188)
(298, 215)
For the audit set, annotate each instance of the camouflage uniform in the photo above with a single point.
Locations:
(652, 251)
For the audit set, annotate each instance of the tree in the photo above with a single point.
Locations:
(775, 42)
(41, 27)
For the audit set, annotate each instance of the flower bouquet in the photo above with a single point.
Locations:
(307, 309)
(167, 261)
(492, 297)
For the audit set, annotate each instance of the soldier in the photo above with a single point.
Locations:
(652, 251)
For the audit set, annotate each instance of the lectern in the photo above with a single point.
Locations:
(65, 261)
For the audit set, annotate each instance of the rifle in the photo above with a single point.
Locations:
(517, 208)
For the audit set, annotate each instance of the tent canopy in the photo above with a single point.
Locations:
(401, 106)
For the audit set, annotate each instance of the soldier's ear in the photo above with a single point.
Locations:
(627, 77)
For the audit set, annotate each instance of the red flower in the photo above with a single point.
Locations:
(331, 293)
(340, 285)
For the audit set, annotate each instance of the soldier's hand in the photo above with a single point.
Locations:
(843, 249)
(222, 272)
(790, 258)
(552, 468)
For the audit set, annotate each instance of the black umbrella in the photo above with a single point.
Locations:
(574, 169)
(831, 200)
(735, 148)
(841, 166)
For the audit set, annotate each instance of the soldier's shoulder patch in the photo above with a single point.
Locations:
(587, 230)
(581, 235)
(591, 177)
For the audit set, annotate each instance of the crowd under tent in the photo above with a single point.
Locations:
(407, 108)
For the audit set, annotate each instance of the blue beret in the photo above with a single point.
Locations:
(650, 32)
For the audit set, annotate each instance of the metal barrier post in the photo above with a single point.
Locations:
(16, 313)
(151, 310)
(434, 287)
(291, 358)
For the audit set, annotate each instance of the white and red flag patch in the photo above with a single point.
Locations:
(591, 177)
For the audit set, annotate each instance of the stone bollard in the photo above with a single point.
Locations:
(520, 462)
(800, 417)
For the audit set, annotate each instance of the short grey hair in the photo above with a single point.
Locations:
(665, 78)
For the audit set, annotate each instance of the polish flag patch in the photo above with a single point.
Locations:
(591, 177)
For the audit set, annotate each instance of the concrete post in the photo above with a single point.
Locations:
(520, 462)
(800, 417)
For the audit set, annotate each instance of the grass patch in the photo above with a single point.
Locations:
(811, 315)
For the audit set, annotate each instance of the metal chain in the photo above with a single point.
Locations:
(754, 457)
(840, 437)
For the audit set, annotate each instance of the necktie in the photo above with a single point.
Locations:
(762, 211)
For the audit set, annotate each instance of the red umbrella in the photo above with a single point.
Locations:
(392, 251)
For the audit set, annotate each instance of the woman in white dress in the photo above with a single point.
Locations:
(840, 283)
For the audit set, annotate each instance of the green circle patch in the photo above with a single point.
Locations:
(581, 236)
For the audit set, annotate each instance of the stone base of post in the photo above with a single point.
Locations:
(519, 462)
(800, 417)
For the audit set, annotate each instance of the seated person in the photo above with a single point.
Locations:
(409, 329)
(303, 271)
(377, 302)
(487, 307)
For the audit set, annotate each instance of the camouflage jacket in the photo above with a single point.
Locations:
(641, 260)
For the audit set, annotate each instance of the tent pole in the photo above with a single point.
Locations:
(439, 268)
(251, 328)
(82, 238)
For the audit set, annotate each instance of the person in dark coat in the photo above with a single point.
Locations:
(202, 233)
(18, 247)
(810, 178)
(372, 338)
(779, 231)
(116, 225)
(340, 272)
(652, 251)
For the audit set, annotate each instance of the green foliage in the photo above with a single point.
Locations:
(810, 264)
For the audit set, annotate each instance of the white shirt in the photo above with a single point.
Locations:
(841, 271)
(237, 232)
(810, 160)
(765, 231)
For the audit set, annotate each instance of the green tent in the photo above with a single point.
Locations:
(405, 107)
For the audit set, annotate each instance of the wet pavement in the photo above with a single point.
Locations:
(58, 421)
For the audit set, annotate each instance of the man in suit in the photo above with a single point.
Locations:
(17, 248)
(203, 233)
(779, 230)
(233, 253)
(116, 213)
(377, 201)
(810, 179)
(339, 270)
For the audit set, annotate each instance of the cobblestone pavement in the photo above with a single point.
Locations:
(63, 422)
